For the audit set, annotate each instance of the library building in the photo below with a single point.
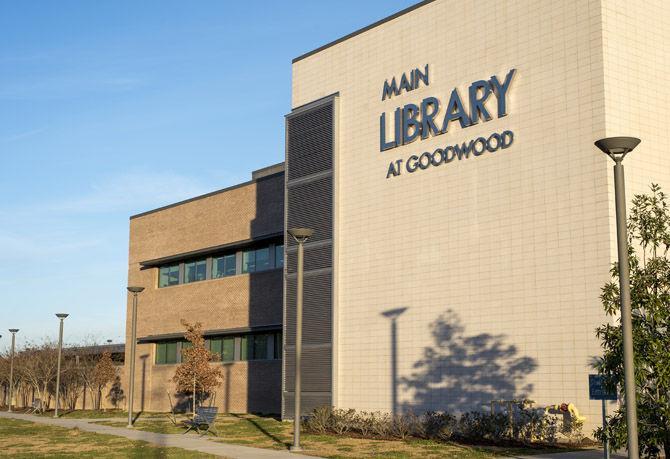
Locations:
(463, 220)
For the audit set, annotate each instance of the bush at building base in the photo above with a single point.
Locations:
(526, 426)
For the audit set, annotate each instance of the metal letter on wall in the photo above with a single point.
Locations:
(310, 140)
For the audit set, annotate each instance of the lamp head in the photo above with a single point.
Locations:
(301, 234)
(13, 330)
(135, 289)
(393, 313)
(62, 315)
(617, 147)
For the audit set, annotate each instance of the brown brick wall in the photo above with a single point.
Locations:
(245, 212)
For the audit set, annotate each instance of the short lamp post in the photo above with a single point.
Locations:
(62, 317)
(617, 148)
(13, 331)
(133, 343)
(301, 235)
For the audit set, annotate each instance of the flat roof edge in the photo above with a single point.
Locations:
(207, 195)
(364, 29)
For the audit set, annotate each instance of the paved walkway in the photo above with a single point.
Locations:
(189, 442)
(591, 454)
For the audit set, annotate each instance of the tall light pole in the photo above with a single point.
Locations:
(301, 235)
(617, 148)
(61, 316)
(133, 344)
(13, 331)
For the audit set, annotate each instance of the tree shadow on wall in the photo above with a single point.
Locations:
(460, 373)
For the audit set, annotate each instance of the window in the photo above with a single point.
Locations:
(260, 347)
(244, 347)
(278, 345)
(223, 347)
(253, 260)
(195, 271)
(224, 266)
(256, 260)
(168, 275)
(265, 346)
(263, 259)
(249, 261)
(215, 346)
(228, 349)
(166, 352)
(279, 256)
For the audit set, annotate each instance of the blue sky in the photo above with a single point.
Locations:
(111, 108)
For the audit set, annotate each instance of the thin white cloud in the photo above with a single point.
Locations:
(21, 135)
(132, 192)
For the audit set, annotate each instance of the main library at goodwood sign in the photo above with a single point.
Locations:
(431, 118)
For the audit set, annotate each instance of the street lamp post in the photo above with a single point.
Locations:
(301, 235)
(133, 343)
(62, 317)
(617, 148)
(13, 331)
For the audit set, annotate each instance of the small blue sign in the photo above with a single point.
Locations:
(597, 389)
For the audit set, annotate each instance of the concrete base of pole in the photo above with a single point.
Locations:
(295, 449)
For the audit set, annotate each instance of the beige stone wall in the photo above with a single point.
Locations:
(636, 37)
(515, 244)
(245, 212)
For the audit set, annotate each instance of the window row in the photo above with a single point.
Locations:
(259, 346)
(230, 264)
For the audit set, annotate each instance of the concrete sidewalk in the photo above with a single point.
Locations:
(188, 442)
(591, 454)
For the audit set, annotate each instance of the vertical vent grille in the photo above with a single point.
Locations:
(309, 203)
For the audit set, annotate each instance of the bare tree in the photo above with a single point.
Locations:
(71, 381)
(37, 365)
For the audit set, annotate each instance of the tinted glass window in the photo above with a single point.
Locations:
(160, 352)
(263, 259)
(244, 347)
(171, 352)
(166, 352)
(224, 266)
(279, 256)
(260, 347)
(249, 261)
(228, 353)
(195, 271)
(278, 345)
(168, 275)
(215, 346)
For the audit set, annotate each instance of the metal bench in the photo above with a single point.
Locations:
(36, 407)
(203, 421)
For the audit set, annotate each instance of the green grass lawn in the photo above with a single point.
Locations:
(22, 439)
(266, 432)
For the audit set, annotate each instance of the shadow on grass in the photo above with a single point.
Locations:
(264, 431)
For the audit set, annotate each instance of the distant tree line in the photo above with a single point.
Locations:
(86, 377)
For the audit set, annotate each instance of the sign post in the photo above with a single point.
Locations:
(597, 391)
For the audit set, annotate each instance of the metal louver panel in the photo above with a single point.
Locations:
(310, 134)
